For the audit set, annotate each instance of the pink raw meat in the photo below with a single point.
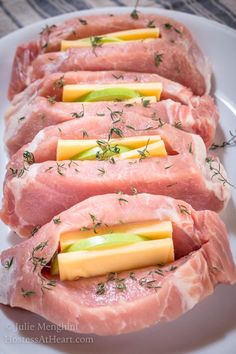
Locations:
(150, 295)
(43, 147)
(200, 117)
(34, 194)
(155, 56)
(173, 34)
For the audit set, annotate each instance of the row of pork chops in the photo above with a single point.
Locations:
(38, 189)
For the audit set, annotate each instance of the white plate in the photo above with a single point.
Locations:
(211, 326)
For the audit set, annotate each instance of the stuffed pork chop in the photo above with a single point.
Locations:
(172, 163)
(174, 39)
(43, 105)
(108, 267)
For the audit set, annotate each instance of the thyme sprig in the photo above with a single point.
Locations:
(230, 142)
(116, 131)
(106, 150)
(28, 157)
(144, 152)
(148, 283)
(83, 22)
(134, 13)
(183, 209)
(151, 24)
(9, 263)
(115, 115)
(216, 171)
(27, 293)
(60, 82)
(52, 99)
(46, 284)
(158, 59)
(78, 115)
(35, 259)
(169, 26)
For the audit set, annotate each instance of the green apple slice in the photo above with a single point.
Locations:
(109, 94)
(92, 153)
(97, 40)
(54, 270)
(104, 241)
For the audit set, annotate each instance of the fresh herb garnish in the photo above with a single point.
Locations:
(178, 125)
(122, 200)
(172, 268)
(106, 149)
(17, 172)
(52, 99)
(47, 29)
(134, 191)
(46, 284)
(171, 185)
(96, 42)
(130, 127)
(83, 22)
(28, 157)
(78, 115)
(60, 82)
(60, 168)
(85, 134)
(144, 153)
(115, 115)
(145, 103)
(183, 209)
(35, 230)
(151, 24)
(100, 289)
(158, 59)
(117, 77)
(217, 171)
(116, 131)
(190, 148)
(101, 171)
(167, 167)
(132, 276)
(169, 26)
(21, 118)
(230, 142)
(27, 293)
(148, 283)
(57, 220)
(134, 13)
(95, 222)
(8, 263)
(38, 261)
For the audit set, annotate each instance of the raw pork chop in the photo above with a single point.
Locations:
(200, 117)
(172, 33)
(52, 85)
(44, 146)
(34, 194)
(152, 56)
(150, 295)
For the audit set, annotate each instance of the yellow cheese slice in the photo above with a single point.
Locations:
(129, 35)
(73, 265)
(72, 93)
(68, 148)
(151, 150)
(153, 229)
